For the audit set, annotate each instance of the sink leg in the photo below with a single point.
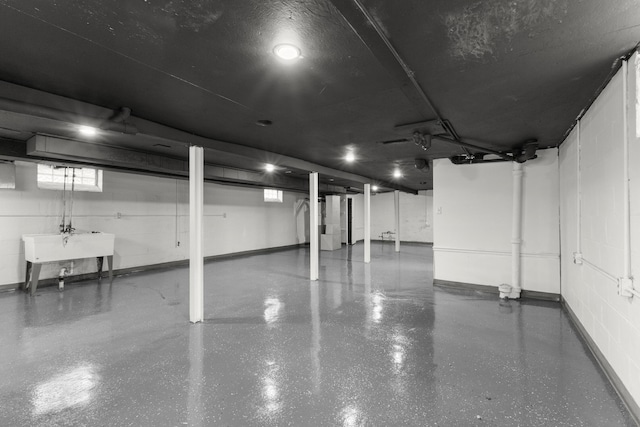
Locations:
(25, 286)
(100, 261)
(110, 261)
(35, 275)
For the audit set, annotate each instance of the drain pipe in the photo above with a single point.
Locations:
(63, 273)
(513, 291)
(625, 283)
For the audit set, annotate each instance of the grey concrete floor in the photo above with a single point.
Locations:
(371, 345)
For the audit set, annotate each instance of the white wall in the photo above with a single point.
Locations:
(236, 219)
(416, 216)
(590, 289)
(472, 223)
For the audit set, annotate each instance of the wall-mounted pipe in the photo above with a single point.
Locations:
(625, 283)
(68, 117)
(516, 231)
(461, 143)
(577, 255)
(474, 159)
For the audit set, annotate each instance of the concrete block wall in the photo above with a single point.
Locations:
(591, 194)
(153, 225)
(472, 223)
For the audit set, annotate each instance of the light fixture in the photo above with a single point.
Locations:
(87, 130)
(374, 188)
(397, 173)
(350, 157)
(269, 167)
(288, 52)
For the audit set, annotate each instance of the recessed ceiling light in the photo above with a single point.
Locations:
(397, 173)
(87, 130)
(269, 167)
(350, 157)
(374, 188)
(287, 52)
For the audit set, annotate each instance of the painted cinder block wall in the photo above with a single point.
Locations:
(472, 223)
(592, 222)
(154, 217)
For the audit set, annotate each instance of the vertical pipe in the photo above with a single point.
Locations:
(396, 199)
(314, 252)
(196, 261)
(367, 223)
(516, 230)
(626, 208)
(177, 237)
(577, 257)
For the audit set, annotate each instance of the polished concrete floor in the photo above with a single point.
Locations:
(371, 345)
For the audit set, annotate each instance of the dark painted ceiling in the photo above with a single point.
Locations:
(499, 72)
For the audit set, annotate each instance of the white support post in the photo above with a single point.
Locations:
(516, 231)
(314, 252)
(367, 223)
(396, 199)
(196, 260)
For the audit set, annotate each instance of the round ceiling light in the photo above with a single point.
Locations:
(397, 173)
(87, 130)
(350, 157)
(269, 167)
(287, 52)
(374, 188)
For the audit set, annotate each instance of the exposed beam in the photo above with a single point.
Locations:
(61, 113)
(75, 152)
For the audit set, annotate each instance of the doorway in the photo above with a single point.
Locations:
(349, 221)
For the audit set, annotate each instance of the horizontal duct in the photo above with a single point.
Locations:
(65, 150)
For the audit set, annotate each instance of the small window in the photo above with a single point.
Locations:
(271, 195)
(52, 177)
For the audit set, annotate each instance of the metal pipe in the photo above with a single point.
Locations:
(475, 147)
(577, 256)
(625, 283)
(516, 231)
(66, 116)
(625, 171)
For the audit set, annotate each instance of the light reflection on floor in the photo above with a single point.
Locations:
(72, 389)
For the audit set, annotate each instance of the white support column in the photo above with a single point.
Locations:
(367, 223)
(314, 252)
(396, 199)
(196, 259)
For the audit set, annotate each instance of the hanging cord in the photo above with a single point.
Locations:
(64, 201)
(70, 229)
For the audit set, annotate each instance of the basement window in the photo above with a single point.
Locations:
(271, 195)
(51, 177)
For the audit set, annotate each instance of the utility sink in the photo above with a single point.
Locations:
(42, 248)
